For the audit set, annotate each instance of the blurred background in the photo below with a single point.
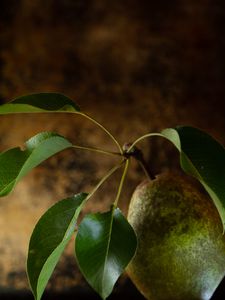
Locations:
(135, 66)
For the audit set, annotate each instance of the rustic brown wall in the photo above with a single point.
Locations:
(136, 66)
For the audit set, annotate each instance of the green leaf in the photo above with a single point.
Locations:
(49, 239)
(15, 163)
(37, 103)
(204, 158)
(105, 244)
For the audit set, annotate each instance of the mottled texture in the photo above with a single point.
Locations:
(181, 246)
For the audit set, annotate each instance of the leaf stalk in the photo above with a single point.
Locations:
(97, 150)
(104, 129)
(109, 173)
(121, 182)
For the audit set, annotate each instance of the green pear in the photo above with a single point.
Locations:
(181, 246)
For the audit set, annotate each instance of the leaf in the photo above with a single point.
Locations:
(15, 163)
(49, 239)
(204, 158)
(105, 244)
(37, 103)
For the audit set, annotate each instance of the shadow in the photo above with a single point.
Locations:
(127, 292)
(220, 291)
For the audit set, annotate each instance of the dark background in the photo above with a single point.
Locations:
(137, 66)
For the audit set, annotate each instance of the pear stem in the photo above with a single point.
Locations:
(133, 151)
(146, 170)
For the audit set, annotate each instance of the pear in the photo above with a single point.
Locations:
(181, 246)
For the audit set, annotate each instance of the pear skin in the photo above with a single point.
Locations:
(181, 246)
